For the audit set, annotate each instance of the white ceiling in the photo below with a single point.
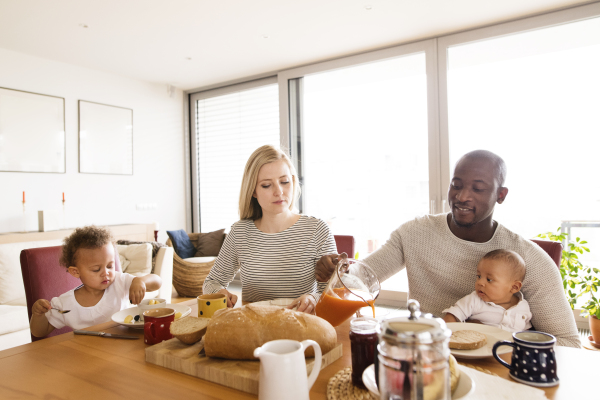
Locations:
(195, 43)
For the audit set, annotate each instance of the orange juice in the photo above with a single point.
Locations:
(336, 310)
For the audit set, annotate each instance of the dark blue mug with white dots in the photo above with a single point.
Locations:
(533, 359)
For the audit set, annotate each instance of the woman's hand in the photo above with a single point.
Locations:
(231, 298)
(305, 303)
(326, 265)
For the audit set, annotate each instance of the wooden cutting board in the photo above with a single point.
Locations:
(237, 374)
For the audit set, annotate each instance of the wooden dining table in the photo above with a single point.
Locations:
(72, 366)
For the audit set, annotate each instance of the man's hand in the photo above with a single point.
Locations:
(231, 298)
(41, 307)
(137, 291)
(305, 303)
(326, 265)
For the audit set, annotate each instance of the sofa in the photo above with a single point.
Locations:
(14, 323)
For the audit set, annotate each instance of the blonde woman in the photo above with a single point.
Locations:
(274, 248)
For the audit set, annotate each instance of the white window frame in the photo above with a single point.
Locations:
(387, 297)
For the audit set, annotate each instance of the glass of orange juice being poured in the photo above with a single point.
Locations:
(353, 285)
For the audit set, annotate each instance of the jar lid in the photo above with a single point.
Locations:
(417, 328)
(363, 325)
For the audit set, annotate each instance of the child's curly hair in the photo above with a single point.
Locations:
(88, 237)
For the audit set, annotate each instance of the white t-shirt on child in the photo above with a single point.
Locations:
(115, 298)
(515, 319)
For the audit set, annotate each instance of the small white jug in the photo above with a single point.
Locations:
(283, 369)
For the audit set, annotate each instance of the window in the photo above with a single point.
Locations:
(375, 136)
(533, 99)
(365, 152)
(228, 128)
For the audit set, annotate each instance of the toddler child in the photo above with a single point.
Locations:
(89, 254)
(497, 299)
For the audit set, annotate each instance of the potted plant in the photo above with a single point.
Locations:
(579, 280)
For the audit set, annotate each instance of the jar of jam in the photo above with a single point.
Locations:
(363, 343)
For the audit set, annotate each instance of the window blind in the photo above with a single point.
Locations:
(229, 128)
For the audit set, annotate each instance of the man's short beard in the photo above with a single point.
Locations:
(462, 225)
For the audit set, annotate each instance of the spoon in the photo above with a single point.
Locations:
(61, 311)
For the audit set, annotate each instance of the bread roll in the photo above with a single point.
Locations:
(190, 329)
(454, 373)
(467, 340)
(235, 333)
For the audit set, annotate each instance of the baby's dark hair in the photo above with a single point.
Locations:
(88, 237)
(512, 259)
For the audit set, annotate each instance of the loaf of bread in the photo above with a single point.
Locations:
(467, 340)
(190, 329)
(235, 333)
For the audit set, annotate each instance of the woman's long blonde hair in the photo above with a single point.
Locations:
(249, 207)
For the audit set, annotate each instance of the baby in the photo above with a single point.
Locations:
(497, 299)
(89, 254)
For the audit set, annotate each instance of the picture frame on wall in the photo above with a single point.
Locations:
(105, 139)
(32, 132)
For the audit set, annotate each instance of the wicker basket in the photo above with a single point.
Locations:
(188, 277)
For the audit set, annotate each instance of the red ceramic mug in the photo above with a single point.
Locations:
(157, 324)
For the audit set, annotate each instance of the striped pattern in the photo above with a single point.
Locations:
(272, 265)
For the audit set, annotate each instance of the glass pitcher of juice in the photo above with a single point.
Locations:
(353, 285)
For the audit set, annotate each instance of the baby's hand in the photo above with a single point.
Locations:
(137, 291)
(41, 307)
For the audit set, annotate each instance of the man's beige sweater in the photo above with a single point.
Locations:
(441, 269)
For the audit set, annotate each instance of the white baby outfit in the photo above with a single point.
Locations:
(115, 298)
(515, 319)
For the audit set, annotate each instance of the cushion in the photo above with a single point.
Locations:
(182, 244)
(209, 244)
(11, 278)
(199, 260)
(14, 318)
(138, 258)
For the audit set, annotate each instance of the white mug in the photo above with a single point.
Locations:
(283, 369)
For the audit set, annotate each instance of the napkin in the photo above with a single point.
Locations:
(490, 387)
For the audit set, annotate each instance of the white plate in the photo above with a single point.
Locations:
(492, 334)
(465, 383)
(119, 317)
(283, 302)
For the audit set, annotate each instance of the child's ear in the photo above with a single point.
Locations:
(74, 272)
(516, 287)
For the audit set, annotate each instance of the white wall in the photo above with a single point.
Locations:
(158, 151)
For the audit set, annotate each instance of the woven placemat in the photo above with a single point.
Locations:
(340, 387)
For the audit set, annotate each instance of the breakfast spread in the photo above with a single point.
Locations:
(467, 340)
(235, 333)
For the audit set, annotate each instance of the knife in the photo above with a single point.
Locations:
(103, 334)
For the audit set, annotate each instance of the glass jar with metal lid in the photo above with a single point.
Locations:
(413, 357)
